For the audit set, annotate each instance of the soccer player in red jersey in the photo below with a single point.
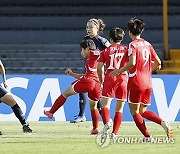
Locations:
(142, 61)
(94, 28)
(88, 82)
(113, 57)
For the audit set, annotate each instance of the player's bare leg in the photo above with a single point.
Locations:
(155, 118)
(9, 100)
(59, 102)
(134, 109)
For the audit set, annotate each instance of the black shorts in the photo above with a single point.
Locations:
(2, 91)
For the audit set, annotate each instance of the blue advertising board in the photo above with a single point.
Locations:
(34, 93)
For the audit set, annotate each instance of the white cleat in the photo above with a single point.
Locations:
(110, 120)
(113, 137)
(166, 126)
(107, 126)
(104, 133)
(78, 119)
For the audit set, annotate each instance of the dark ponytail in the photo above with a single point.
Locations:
(102, 25)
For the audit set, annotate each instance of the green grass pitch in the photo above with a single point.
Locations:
(64, 137)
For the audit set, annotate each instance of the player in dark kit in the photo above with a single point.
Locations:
(142, 61)
(88, 82)
(7, 98)
(94, 27)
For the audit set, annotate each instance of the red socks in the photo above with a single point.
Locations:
(117, 122)
(57, 104)
(105, 113)
(152, 117)
(95, 118)
(141, 124)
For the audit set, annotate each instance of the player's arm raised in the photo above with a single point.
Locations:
(71, 73)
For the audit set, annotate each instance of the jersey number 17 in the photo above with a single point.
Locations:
(115, 60)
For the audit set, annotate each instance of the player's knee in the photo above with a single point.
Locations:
(68, 93)
(93, 108)
(134, 108)
(119, 110)
(142, 109)
(93, 105)
(134, 111)
(9, 100)
(106, 106)
(65, 95)
(120, 106)
(141, 112)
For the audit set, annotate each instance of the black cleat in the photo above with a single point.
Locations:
(0, 132)
(26, 129)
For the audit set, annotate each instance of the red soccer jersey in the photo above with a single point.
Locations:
(91, 65)
(140, 74)
(114, 57)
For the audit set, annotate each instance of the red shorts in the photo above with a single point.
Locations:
(116, 89)
(140, 96)
(92, 87)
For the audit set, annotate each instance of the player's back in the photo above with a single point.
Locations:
(140, 74)
(114, 57)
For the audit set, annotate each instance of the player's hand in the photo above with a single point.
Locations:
(68, 71)
(5, 85)
(114, 72)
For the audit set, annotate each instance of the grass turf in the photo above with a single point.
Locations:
(64, 137)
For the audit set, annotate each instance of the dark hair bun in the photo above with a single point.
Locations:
(102, 25)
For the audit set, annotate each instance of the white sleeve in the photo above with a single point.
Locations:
(105, 42)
